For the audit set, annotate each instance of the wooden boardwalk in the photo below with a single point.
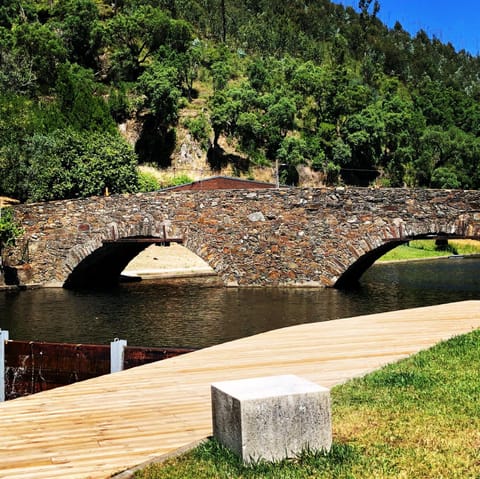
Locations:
(105, 425)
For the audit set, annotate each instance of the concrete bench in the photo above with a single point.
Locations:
(271, 418)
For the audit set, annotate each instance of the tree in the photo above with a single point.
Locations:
(220, 72)
(68, 164)
(364, 6)
(161, 93)
(279, 120)
(258, 75)
(364, 133)
(39, 162)
(435, 102)
(224, 20)
(186, 65)
(44, 49)
(78, 22)
(448, 157)
(367, 25)
(445, 177)
(396, 48)
(263, 122)
(80, 102)
(133, 37)
(225, 110)
(137, 36)
(12, 12)
(17, 74)
(291, 153)
(17, 117)
(403, 128)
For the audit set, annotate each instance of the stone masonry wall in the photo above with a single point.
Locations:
(295, 237)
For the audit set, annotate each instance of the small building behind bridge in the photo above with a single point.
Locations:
(221, 183)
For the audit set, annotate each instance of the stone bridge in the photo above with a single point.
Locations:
(283, 237)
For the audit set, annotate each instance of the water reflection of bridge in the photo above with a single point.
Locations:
(108, 424)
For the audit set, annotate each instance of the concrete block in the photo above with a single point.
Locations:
(271, 418)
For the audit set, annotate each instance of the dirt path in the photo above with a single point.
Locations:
(162, 262)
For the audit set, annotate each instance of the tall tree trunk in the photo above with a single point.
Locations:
(224, 21)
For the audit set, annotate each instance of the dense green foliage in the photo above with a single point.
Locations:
(418, 418)
(147, 182)
(177, 180)
(9, 230)
(302, 82)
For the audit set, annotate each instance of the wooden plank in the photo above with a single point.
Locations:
(107, 424)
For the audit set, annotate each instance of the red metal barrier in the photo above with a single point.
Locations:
(32, 366)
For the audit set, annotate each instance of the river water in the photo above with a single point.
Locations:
(189, 314)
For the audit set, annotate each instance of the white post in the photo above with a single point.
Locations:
(117, 349)
(3, 340)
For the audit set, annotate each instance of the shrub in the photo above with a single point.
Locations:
(147, 182)
(178, 180)
(200, 129)
(9, 229)
(69, 164)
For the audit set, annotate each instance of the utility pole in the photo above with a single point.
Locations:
(224, 21)
(277, 174)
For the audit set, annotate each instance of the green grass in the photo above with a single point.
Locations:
(418, 418)
(418, 249)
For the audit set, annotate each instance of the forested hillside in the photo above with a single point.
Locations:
(302, 84)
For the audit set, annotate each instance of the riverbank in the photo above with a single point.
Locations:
(427, 249)
(429, 258)
(159, 262)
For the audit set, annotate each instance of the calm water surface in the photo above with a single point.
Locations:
(186, 314)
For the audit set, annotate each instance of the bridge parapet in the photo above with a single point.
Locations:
(294, 237)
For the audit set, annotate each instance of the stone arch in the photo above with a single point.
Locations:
(100, 260)
(200, 245)
(369, 249)
(102, 267)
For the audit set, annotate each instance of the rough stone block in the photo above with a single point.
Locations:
(272, 417)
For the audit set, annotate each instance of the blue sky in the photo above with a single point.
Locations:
(454, 21)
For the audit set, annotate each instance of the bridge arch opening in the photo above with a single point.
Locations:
(351, 277)
(106, 265)
(354, 272)
(176, 261)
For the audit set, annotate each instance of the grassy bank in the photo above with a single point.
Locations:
(419, 249)
(419, 418)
